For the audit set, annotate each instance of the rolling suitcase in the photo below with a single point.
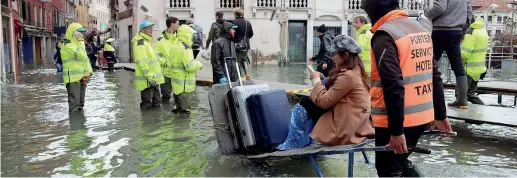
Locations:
(270, 116)
(240, 123)
(217, 99)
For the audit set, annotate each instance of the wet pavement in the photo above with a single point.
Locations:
(114, 138)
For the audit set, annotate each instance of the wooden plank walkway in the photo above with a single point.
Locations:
(478, 114)
(502, 87)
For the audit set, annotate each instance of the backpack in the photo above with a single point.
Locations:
(197, 38)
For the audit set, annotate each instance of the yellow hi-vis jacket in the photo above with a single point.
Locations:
(76, 63)
(147, 63)
(364, 36)
(164, 49)
(182, 62)
(108, 47)
(474, 48)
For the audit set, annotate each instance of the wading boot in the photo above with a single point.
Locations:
(461, 91)
(411, 170)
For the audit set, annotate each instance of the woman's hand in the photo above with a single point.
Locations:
(315, 74)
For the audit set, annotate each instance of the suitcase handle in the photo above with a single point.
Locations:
(228, 72)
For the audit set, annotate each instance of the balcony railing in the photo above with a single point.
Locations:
(179, 3)
(266, 3)
(412, 5)
(6, 11)
(228, 3)
(297, 3)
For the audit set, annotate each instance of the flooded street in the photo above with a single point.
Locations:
(114, 138)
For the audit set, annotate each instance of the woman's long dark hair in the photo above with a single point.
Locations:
(350, 63)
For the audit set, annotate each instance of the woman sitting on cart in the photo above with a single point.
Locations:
(339, 104)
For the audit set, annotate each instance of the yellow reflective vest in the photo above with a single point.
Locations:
(108, 47)
(147, 63)
(164, 50)
(474, 48)
(364, 36)
(182, 62)
(76, 63)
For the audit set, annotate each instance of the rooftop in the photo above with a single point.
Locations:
(484, 5)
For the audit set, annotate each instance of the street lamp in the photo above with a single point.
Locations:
(492, 10)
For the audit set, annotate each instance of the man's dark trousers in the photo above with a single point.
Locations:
(450, 42)
(242, 58)
(389, 164)
(76, 93)
(150, 97)
(166, 89)
(196, 52)
(182, 101)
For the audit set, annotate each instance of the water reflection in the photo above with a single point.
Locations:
(114, 138)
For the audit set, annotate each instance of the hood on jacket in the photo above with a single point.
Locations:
(365, 27)
(479, 23)
(185, 34)
(377, 9)
(70, 31)
(141, 35)
(227, 26)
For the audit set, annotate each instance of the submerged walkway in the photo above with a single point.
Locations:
(477, 114)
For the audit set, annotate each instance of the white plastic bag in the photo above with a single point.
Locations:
(205, 54)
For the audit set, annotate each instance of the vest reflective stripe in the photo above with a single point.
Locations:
(415, 52)
(189, 65)
(183, 81)
(475, 64)
(144, 78)
(176, 67)
(474, 51)
(409, 79)
(407, 110)
(75, 72)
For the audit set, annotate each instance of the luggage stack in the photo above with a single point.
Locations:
(257, 118)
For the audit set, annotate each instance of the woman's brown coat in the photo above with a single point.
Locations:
(347, 122)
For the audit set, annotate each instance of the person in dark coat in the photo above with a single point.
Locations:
(91, 51)
(57, 57)
(323, 58)
(243, 33)
(224, 48)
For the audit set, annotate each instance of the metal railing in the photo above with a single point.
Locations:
(228, 3)
(179, 3)
(6, 10)
(298, 3)
(266, 3)
(412, 5)
(503, 65)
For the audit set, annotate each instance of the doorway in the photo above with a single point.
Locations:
(130, 33)
(297, 50)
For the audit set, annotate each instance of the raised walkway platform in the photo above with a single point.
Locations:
(477, 114)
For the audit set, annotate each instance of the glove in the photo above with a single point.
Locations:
(223, 80)
(325, 82)
(153, 83)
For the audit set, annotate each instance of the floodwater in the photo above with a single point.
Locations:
(114, 138)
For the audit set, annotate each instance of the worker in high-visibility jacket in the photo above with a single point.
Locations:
(76, 66)
(148, 73)
(364, 36)
(109, 53)
(184, 69)
(401, 86)
(473, 52)
(167, 45)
